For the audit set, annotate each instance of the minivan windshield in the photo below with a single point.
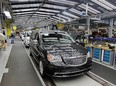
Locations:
(57, 38)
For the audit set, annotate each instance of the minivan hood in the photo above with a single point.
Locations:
(71, 54)
(70, 49)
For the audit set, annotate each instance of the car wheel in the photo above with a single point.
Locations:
(41, 69)
(26, 46)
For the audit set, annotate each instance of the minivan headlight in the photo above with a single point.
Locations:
(52, 58)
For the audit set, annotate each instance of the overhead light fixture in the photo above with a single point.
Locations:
(75, 11)
(108, 4)
(7, 13)
(34, 9)
(47, 13)
(90, 9)
(25, 5)
(63, 16)
(65, 2)
(48, 10)
(54, 19)
(69, 14)
(55, 6)
(103, 4)
(59, 18)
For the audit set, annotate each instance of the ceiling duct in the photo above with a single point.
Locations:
(108, 15)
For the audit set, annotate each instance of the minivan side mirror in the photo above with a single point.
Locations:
(81, 43)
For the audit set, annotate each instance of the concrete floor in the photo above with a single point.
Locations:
(21, 71)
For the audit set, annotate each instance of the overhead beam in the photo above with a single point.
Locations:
(29, 14)
(36, 2)
(33, 11)
(20, 8)
(32, 14)
(62, 18)
(23, 11)
(73, 13)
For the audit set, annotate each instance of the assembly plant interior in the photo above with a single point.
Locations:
(57, 42)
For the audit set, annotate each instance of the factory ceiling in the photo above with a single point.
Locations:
(32, 12)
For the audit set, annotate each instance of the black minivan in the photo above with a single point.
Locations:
(58, 54)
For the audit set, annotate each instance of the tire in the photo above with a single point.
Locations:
(41, 69)
(26, 46)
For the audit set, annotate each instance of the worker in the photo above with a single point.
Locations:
(2, 41)
(12, 38)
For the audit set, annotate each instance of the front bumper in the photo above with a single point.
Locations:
(67, 71)
(70, 74)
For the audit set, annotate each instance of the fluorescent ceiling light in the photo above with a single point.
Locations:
(7, 13)
(64, 2)
(108, 4)
(25, 10)
(22, 0)
(24, 13)
(54, 19)
(48, 10)
(45, 13)
(25, 5)
(101, 4)
(34, 14)
(39, 13)
(69, 14)
(59, 18)
(64, 16)
(75, 11)
(89, 9)
(55, 6)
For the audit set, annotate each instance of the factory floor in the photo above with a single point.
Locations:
(21, 71)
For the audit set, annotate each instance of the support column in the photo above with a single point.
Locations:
(88, 28)
(110, 28)
(0, 22)
(0, 16)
